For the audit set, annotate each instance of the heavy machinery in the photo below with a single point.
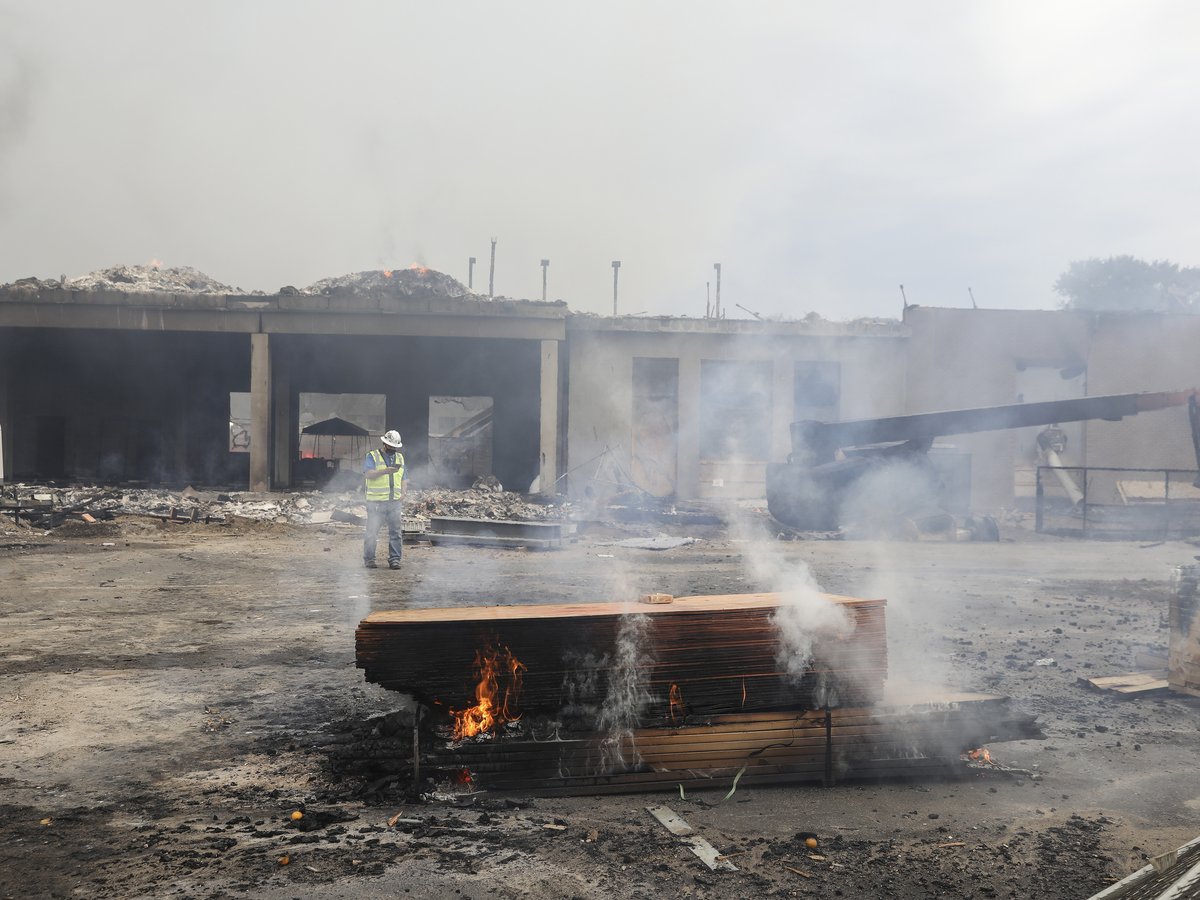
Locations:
(878, 470)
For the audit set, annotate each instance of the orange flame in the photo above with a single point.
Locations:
(675, 697)
(387, 273)
(979, 755)
(419, 269)
(492, 708)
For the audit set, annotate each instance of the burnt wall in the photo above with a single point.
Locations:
(125, 406)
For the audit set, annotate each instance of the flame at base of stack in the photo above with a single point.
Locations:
(495, 704)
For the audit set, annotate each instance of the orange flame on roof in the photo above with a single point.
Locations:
(493, 707)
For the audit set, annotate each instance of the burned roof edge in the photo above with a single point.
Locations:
(880, 328)
(286, 302)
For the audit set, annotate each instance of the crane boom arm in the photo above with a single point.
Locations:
(824, 439)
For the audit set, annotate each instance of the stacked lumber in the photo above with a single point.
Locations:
(754, 748)
(1183, 653)
(710, 655)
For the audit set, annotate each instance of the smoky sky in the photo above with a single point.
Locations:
(822, 153)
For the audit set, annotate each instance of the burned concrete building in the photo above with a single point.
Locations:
(145, 385)
(168, 377)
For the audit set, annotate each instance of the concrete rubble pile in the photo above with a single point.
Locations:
(46, 507)
(411, 282)
(148, 279)
(480, 504)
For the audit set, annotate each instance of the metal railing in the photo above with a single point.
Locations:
(1101, 501)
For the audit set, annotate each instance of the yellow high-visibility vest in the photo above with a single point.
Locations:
(384, 487)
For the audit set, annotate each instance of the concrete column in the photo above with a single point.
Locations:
(6, 432)
(687, 484)
(260, 413)
(783, 407)
(548, 419)
(283, 425)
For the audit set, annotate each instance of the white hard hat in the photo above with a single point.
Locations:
(392, 439)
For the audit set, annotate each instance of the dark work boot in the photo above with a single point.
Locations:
(370, 564)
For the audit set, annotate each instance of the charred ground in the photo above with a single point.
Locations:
(170, 694)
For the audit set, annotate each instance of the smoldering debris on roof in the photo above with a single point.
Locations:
(409, 282)
(149, 279)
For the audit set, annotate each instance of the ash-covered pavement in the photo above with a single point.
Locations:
(170, 694)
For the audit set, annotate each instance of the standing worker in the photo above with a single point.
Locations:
(383, 472)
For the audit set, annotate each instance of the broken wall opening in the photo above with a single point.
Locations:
(335, 432)
(735, 427)
(654, 441)
(816, 391)
(460, 439)
(409, 371)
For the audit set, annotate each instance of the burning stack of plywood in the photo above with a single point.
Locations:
(702, 655)
(585, 698)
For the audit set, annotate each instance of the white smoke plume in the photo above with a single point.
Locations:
(628, 696)
(805, 616)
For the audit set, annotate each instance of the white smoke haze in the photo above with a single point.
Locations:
(890, 499)
(805, 617)
(821, 155)
(628, 695)
(916, 621)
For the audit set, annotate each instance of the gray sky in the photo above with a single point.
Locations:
(824, 153)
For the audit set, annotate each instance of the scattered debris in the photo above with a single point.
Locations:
(1131, 683)
(706, 852)
(44, 507)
